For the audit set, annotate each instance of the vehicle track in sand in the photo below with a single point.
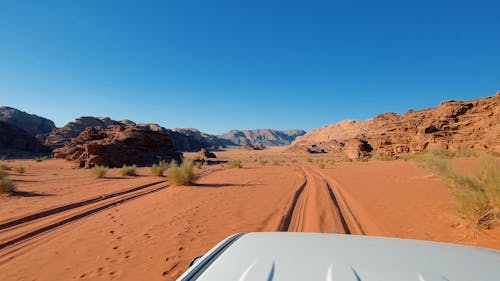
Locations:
(317, 206)
(14, 233)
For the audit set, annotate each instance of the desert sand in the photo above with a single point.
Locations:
(66, 225)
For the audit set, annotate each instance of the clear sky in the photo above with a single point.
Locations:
(220, 65)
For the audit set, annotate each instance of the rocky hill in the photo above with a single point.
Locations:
(267, 137)
(31, 123)
(116, 145)
(62, 136)
(452, 125)
(16, 142)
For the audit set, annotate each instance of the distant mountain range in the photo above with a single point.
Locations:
(185, 139)
(267, 137)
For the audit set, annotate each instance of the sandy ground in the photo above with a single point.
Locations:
(140, 228)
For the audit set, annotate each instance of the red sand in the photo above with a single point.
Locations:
(154, 235)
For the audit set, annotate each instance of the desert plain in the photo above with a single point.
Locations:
(65, 224)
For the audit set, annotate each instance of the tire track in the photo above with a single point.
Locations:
(27, 231)
(18, 231)
(318, 207)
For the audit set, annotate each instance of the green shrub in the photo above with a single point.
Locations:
(263, 162)
(128, 170)
(19, 169)
(181, 175)
(477, 196)
(99, 171)
(234, 163)
(466, 153)
(6, 185)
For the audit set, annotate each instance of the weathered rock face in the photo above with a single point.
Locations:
(116, 145)
(267, 137)
(17, 143)
(31, 123)
(452, 125)
(206, 154)
(61, 136)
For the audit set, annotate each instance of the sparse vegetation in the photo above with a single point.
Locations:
(19, 169)
(158, 169)
(477, 196)
(236, 163)
(99, 171)
(346, 159)
(6, 184)
(294, 161)
(494, 153)
(263, 162)
(381, 157)
(276, 162)
(181, 175)
(321, 165)
(310, 160)
(198, 165)
(5, 167)
(466, 153)
(128, 170)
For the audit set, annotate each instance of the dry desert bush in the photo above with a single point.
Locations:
(477, 196)
(181, 174)
(128, 170)
(19, 169)
(236, 163)
(263, 162)
(158, 169)
(99, 171)
(6, 184)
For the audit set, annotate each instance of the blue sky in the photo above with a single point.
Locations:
(220, 65)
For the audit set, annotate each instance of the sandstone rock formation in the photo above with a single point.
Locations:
(452, 125)
(31, 123)
(267, 137)
(250, 146)
(17, 143)
(116, 145)
(61, 136)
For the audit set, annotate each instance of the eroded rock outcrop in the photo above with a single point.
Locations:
(116, 145)
(452, 125)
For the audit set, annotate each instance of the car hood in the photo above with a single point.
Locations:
(309, 256)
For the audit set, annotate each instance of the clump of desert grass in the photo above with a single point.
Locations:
(128, 170)
(6, 184)
(181, 174)
(310, 160)
(158, 169)
(198, 164)
(494, 153)
(236, 163)
(381, 157)
(99, 171)
(466, 153)
(20, 169)
(263, 162)
(476, 196)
